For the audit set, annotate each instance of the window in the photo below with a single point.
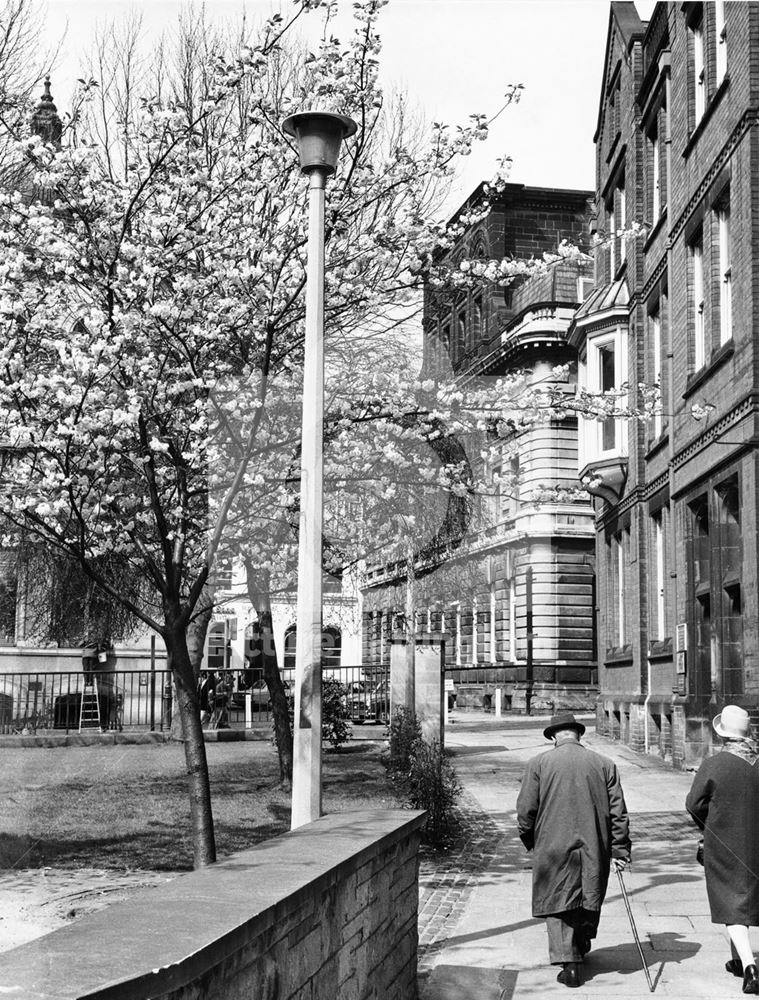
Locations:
(620, 587)
(655, 178)
(216, 658)
(656, 372)
(714, 552)
(478, 332)
(658, 625)
(457, 634)
(700, 648)
(622, 213)
(612, 239)
(513, 508)
(699, 71)
(607, 384)
(730, 558)
(495, 503)
(513, 617)
(223, 575)
(619, 554)
(584, 287)
(460, 333)
(721, 39)
(725, 276)
(699, 310)
(616, 219)
(605, 373)
(445, 341)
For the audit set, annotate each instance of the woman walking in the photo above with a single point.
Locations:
(724, 802)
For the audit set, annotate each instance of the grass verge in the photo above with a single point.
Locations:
(127, 808)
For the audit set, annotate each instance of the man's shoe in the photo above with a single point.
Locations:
(734, 966)
(570, 974)
(750, 980)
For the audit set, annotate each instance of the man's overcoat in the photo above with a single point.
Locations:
(724, 800)
(572, 813)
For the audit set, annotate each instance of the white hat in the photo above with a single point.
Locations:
(733, 722)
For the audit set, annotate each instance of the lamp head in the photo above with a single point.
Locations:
(319, 134)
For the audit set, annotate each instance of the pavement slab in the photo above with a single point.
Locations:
(489, 925)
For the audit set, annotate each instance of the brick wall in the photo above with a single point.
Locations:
(709, 164)
(329, 910)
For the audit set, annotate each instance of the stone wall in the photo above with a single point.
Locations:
(328, 910)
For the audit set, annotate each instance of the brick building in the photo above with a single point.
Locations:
(675, 310)
(515, 599)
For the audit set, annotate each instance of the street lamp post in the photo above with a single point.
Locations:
(319, 135)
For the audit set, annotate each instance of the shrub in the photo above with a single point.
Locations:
(426, 776)
(335, 729)
(434, 786)
(405, 732)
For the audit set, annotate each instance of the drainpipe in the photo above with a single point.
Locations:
(670, 366)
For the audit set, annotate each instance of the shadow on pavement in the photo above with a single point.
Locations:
(624, 959)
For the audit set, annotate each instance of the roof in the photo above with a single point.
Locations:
(512, 193)
(614, 297)
(624, 17)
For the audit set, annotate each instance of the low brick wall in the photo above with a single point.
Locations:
(326, 911)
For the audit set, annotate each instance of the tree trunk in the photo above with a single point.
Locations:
(260, 597)
(199, 785)
(196, 639)
(196, 633)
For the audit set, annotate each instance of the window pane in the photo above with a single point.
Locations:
(607, 384)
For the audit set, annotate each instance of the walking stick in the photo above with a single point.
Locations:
(634, 930)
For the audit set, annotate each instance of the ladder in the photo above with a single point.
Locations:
(89, 708)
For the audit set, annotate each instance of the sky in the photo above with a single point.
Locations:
(453, 57)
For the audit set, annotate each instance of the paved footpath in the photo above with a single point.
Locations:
(478, 940)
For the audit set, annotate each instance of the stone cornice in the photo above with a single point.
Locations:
(748, 405)
(654, 277)
(655, 485)
(748, 120)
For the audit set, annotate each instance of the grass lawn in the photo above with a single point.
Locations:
(127, 808)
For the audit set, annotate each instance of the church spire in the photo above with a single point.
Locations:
(46, 122)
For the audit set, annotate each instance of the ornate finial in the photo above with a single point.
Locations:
(47, 97)
(45, 121)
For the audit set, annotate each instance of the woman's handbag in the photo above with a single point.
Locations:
(700, 851)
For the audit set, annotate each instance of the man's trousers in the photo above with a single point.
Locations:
(569, 934)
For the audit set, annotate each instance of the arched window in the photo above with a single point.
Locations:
(291, 635)
(331, 647)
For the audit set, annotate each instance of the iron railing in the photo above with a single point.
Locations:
(143, 700)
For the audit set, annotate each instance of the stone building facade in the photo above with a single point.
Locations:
(515, 601)
(671, 325)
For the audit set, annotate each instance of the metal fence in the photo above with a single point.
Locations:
(143, 700)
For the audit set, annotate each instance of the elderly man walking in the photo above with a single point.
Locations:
(572, 814)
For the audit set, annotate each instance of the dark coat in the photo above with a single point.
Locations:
(572, 812)
(724, 801)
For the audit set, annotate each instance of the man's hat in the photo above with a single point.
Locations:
(565, 721)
